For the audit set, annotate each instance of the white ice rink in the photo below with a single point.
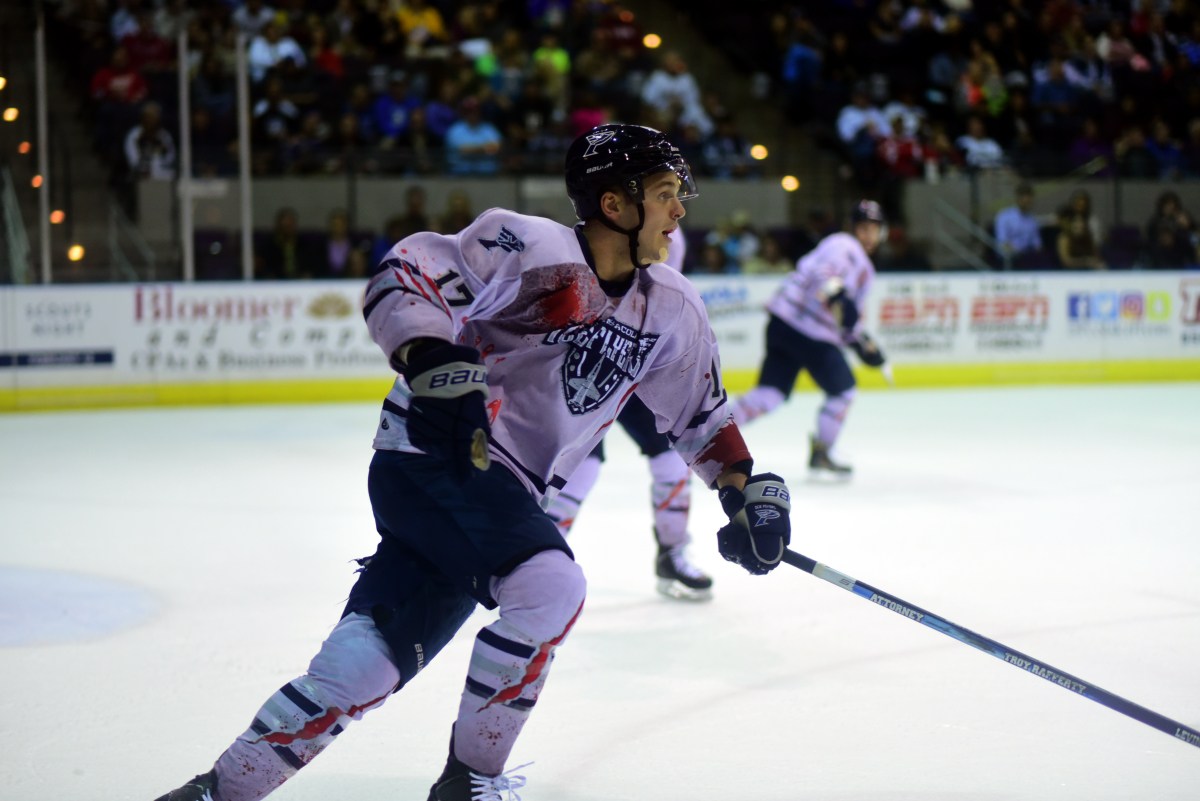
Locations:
(164, 570)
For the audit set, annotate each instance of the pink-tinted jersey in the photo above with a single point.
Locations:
(800, 301)
(562, 356)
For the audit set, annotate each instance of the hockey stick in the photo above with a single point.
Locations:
(1187, 734)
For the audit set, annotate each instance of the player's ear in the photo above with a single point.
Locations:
(612, 203)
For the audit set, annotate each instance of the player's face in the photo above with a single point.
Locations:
(869, 234)
(664, 209)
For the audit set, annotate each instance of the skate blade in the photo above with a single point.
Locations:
(819, 475)
(681, 592)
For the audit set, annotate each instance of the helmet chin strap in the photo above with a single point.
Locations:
(632, 233)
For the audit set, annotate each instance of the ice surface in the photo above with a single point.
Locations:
(163, 571)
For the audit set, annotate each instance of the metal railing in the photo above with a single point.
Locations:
(16, 238)
(121, 233)
(946, 214)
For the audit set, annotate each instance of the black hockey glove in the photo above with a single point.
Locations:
(759, 527)
(840, 305)
(868, 350)
(447, 416)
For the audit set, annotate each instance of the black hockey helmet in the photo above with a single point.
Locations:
(620, 156)
(867, 211)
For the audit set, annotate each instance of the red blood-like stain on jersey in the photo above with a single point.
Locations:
(317, 726)
(726, 448)
(552, 298)
(535, 667)
(493, 410)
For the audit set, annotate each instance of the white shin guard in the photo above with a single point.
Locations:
(671, 494)
(539, 602)
(351, 674)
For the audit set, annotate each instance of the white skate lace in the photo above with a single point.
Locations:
(683, 566)
(497, 788)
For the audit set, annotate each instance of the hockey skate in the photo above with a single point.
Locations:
(821, 465)
(678, 578)
(200, 788)
(460, 783)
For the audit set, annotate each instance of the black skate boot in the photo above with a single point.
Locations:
(678, 578)
(822, 466)
(459, 783)
(200, 788)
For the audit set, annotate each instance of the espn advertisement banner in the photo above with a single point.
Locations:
(213, 342)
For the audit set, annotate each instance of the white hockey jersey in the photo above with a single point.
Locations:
(800, 301)
(562, 356)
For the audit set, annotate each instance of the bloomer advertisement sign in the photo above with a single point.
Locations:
(155, 335)
(162, 343)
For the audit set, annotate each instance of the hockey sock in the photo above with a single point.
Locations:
(352, 673)
(565, 506)
(832, 415)
(755, 403)
(539, 602)
(671, 494)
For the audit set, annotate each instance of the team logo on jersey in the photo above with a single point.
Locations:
(506, 240)
(603, 356)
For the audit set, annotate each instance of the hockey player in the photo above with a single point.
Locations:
(670, 487)
(517, 341)
(811, 318)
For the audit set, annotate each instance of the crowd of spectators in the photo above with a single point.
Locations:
(899, 89)
(400, 87)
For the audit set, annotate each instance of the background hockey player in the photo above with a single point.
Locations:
(516, 341)
(813, 316)
(670, 486)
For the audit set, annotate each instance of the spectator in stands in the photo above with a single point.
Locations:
(117, 91)
(1134, 159)
(421, 25)
(269, 48)
(251, 17)
(1080, 203)
(1018, 232)
(1090, 152)
(1171, 235)
(458, 214)
(801, 75)
(550, 64)
(672, 96)
(737, 238)
(905, 107)
(1191, 150)
(900, 255)
(713, 260)
(280, 255)
(980, 151)
(769, 260)
(148, 51)
(861, 127)
(1077, 247)
(275, 120)
(214, 146)
(726, 154)
(473, 144)
(213, 87)
(1166, 150)
(348, 150)
(150, 148)
(306, 152)
(1056, 102)
(596, 69)
(344, 255)
(392, 109)
(421, 149)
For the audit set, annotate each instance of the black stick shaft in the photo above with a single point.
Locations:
(1187, 734)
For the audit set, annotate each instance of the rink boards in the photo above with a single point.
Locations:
(166, 343)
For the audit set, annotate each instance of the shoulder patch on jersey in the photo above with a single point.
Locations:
(603, 355)
(506, 240)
